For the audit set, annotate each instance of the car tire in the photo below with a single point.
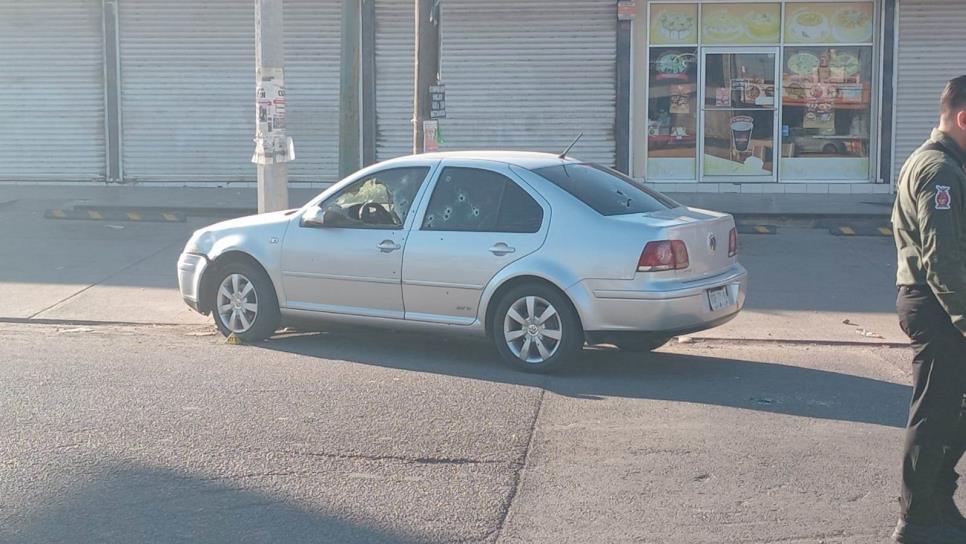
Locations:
(253, 314)
(536, 329)
(642, 344)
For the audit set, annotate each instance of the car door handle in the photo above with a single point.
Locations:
(388, 246)
(501, 249)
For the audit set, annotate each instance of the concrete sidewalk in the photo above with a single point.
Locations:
(241, 200)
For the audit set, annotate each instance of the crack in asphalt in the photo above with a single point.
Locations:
(521, 465)
(400, 458)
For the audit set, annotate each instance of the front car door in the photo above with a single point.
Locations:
(480, 218)
(352, 263)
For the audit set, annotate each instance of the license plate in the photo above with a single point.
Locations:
(720, 298)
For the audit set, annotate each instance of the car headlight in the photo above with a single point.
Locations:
(200, 242)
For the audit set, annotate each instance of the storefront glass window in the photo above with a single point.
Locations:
(827, 23)
(672, 113)
(739, 116)
(761, 91)
(744, 23)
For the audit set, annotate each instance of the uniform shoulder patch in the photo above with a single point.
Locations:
(943, 198)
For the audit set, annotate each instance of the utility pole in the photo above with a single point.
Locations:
(349, 138)
(273, 148)
(427, 66)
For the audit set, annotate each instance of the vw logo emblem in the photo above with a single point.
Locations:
(712, 243)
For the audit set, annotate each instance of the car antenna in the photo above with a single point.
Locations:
(571, 146)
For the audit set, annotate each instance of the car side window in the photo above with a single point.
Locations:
(381, 200)
(519, 212)
(476, 200)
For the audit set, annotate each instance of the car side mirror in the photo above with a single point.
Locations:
(315, 218)
(332, 216)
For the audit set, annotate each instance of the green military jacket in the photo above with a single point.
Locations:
(929, 223)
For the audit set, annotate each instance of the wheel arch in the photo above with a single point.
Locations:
(206, 298)
(508, 284)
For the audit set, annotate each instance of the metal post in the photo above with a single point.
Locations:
(112, 92)
(349, 139)
(273, 148)
(427, 66)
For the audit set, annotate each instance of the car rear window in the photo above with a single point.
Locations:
(607, 191)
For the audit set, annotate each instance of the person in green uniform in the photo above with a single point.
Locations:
(929, 224)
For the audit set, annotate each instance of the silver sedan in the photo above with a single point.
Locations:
(541, 254)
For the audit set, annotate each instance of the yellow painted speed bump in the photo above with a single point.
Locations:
(885, 231)
(756, 229)
(115, 215)
(848, 231)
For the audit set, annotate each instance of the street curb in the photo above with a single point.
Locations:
(789, 341)
(88, 322)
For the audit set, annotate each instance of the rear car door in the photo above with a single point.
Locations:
(480, 218)
(353, 264)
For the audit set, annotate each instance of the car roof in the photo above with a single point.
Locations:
(525, 159)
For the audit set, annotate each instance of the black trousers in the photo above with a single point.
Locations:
(936, 431)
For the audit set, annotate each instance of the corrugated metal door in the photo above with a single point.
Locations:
(188, 71)
(530, 75)
(930, 53)
(187, 86)
(395, 45)
(51, 52)
(312, 60)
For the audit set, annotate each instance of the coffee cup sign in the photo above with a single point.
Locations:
(741, 129)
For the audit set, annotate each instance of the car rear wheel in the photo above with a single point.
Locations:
(245, 303)
(536, 329)
(642, 344)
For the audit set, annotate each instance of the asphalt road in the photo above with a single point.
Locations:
(167, 434)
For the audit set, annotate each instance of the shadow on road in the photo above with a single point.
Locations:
(151, 505)
(765, 387)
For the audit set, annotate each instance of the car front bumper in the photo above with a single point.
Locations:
(191, 270)
(668, 312)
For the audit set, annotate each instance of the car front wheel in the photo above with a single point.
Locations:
(536, 329)
(244, 303)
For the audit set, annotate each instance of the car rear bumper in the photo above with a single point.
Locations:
(670, 312)
(191, 269)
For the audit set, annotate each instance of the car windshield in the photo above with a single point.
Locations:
(607, 191)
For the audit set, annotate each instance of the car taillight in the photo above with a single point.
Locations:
(663, 255)
(733, 242)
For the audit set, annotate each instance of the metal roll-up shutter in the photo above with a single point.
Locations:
(530, 75)
(930, 52)
(52, 56)
(312, 61)
(395, 46)
(187, 89)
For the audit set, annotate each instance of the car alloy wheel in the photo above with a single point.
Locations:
(237, 303)
(532, 329)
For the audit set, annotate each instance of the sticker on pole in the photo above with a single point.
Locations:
(272, 144)
(437, 94)
(430, 136)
